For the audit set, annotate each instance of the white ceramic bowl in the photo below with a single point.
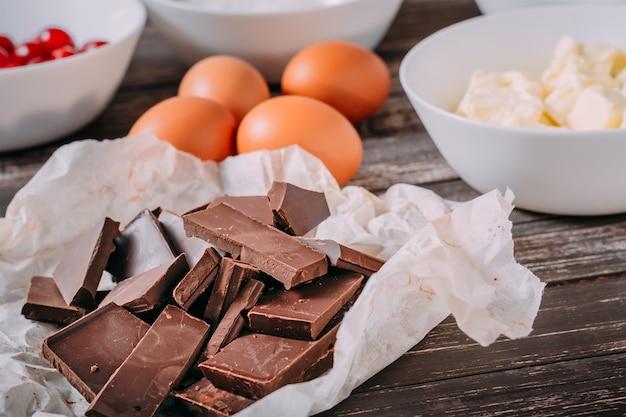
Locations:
(552, 171)
(267, 39)
(43, 102)
(494, 6)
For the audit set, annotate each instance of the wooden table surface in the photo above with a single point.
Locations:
(572, 364)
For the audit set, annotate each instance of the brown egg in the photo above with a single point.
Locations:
(228, 80)
(196, 125)
(315, 126)
(349, 77)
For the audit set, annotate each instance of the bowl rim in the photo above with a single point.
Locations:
(132, 30)
(555, 133)
(212, 10)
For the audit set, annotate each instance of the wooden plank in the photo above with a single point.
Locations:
(589, 387)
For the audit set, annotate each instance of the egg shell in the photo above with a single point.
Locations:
(228, 80)
(313, 125)
(196, 125)
(349, 77)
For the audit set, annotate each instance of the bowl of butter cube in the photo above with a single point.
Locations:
(530, 100)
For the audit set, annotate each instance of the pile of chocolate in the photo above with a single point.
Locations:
(209, 311)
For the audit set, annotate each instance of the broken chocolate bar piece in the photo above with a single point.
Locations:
(174, 230)
(78, 273)
(297, 210)
(255, 206)
(229, 278)
(156, 365)
(276, 253)
(344, 257)
(303, 312)
(44, 302)
(141, 246)
(88, 351)
(198, 280)
(233, 321)
(255, 364)
(149, 290)
(203, 399)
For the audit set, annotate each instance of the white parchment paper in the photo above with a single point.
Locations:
(442, 257)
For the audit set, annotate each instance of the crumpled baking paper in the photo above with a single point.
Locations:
(443, 257)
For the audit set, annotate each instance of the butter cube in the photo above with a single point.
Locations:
(597, 107)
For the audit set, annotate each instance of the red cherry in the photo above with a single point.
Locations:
(62, 52)
(92, 45)
(27, 51)
(37, 60)
(6, 43)
(54, 38)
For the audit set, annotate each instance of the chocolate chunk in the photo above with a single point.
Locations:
(141, 246)
(174, 230)
(78, 273)
(255, 206)
(198, 280)
(303, 312)
(44, 302)
(229, 278)
(344, 257)
(156, 365)
(149, 290)
(88, 351)
(274, 252)
(255, 364)
(203, 399)
(233, 321)
(297, 210)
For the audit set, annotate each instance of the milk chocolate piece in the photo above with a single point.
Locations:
(141, 246)
(203, 399)
(229, 278)
(255, 206)
(233, 321)
(78, 274)
(303, 312)
(297, 210)
(88, 351)
(255, 364)
(156, 365)
(274, 252)
(345, 257)
(198, 280)
(174, 230)
(44, 302)
(149, 290)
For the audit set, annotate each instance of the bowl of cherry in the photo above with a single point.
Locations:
(61, 63)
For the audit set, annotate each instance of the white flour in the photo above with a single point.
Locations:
(263, 6)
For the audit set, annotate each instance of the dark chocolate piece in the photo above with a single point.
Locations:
(88, 351)
(78, 273)
(297, 210)
(198, 280)
(174, 229)
(303, 312)
(141, 246)
(345, 257)
(156, 365)
(44, 302)
(255, 206)
(233, 321)
(149, 290)
(255, 364)
(203, 399)
(229, 278)
(276, 253)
